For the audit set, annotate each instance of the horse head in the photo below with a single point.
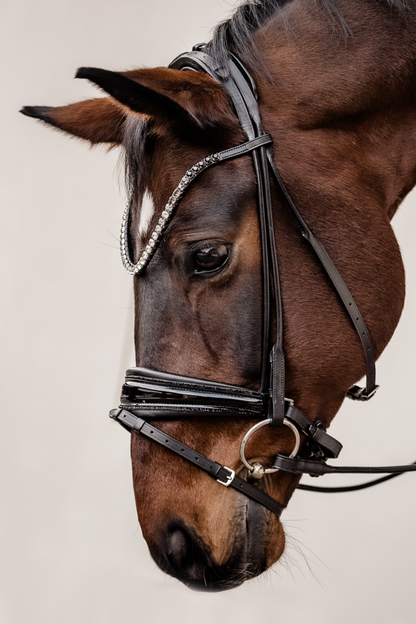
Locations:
(198, 304)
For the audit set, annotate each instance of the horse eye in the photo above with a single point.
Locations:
(210, 257)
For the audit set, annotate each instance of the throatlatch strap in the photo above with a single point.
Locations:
(222, 474)
(347, 299)
(243, 81)
(332, 272)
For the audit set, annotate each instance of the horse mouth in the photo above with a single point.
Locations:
(256, 540)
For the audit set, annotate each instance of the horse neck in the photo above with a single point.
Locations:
(342, 102)
(344, 128)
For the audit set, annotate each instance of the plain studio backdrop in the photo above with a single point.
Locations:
(72, 550)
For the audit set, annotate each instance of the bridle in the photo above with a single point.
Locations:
(153, 395)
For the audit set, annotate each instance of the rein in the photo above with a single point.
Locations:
(153, 395)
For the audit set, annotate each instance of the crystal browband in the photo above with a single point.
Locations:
(173, 202)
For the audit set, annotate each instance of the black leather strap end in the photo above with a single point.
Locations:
(215, 471)
(329, 446)
(298, 466)
(127, 420)
(356, 393)
(253, 492)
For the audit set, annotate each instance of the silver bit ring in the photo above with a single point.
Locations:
(262, 423)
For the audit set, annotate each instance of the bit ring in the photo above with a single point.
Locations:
(257, 426)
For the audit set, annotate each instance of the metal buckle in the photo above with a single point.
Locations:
(366, 397)
(356, 393)
(230, 477)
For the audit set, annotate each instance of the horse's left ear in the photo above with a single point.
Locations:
(184, 97)
(100, 120)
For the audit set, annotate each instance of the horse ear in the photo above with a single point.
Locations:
(190, 100)
(181, 97)
(99, 120)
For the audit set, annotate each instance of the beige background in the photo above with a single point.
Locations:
(71, 548)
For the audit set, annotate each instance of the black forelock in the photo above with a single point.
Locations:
(135, 133)
(233, 35)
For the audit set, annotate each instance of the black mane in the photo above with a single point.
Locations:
(236, 34)
(233, 35)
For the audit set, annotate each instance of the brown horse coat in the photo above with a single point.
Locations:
(340, 106)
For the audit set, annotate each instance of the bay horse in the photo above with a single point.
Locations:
(336, 90)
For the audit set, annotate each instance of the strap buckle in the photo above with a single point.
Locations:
(229, 477)
(356, 393)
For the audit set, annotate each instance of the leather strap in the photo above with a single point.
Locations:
(244, 87)
(347, 488)
(241, 94)
(314, 468)
(328, 446)
(240, 86)
(154, 395)
(222, 474)
(347, 299)
(245, 148)
(351, 307)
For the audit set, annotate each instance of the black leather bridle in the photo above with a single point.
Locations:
(152, 395)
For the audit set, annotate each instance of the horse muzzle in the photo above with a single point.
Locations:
(242, 547)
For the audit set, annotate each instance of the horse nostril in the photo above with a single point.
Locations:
(184, 554)
(178, 548)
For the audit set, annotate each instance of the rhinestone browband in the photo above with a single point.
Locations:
(174, 199)
(164, 220)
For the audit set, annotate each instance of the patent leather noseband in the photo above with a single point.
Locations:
(150, 395)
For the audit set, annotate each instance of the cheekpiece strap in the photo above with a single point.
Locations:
(242, 92)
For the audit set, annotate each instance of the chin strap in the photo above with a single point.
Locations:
(225, 476)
